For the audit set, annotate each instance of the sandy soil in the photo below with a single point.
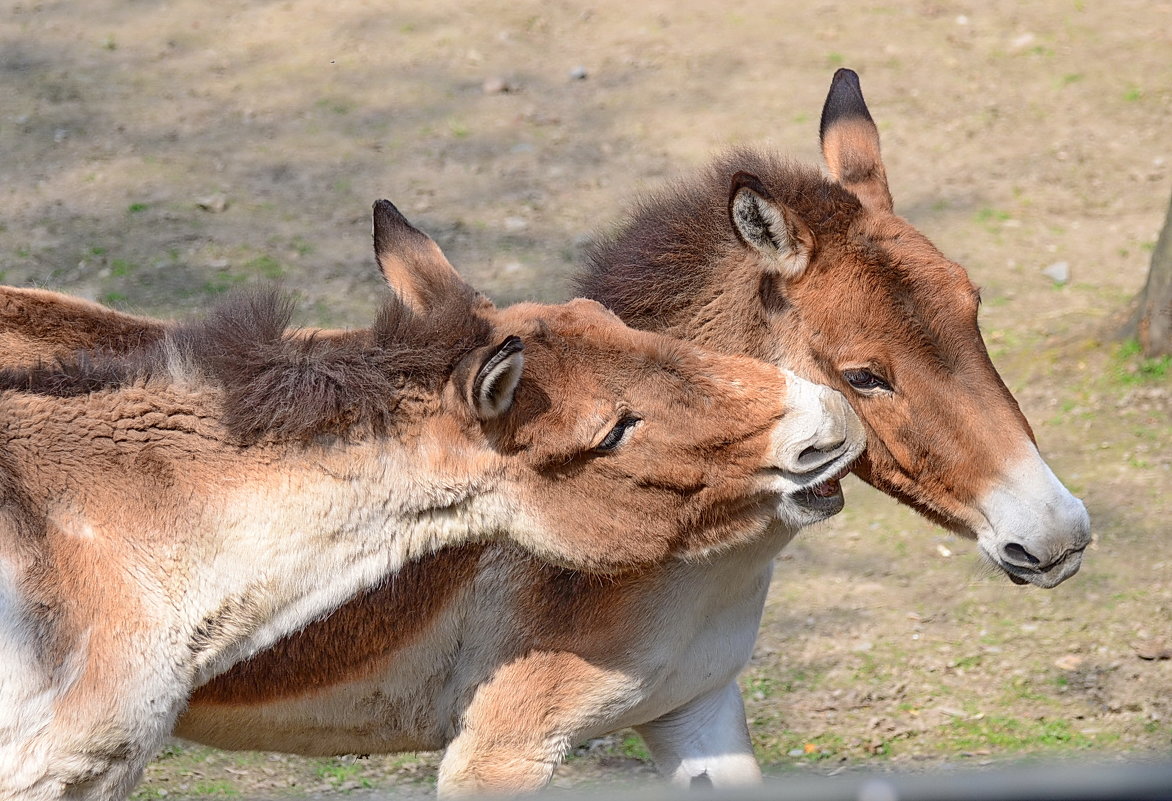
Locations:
(157, 154)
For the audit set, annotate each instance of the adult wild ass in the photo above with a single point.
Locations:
(770, 259)
(511, 661)
(167, 512)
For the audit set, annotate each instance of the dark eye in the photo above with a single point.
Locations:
(617, 435)
(864, 380)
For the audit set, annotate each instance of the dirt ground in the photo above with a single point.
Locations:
(155, 155)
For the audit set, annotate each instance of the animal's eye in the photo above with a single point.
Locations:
(617, 435)
(864, 380)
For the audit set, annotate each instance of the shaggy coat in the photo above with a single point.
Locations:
(177, 503)
(507, 661)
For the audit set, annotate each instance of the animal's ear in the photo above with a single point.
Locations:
(411, 262)
(769, 227)
(496, 379)
(850, 142)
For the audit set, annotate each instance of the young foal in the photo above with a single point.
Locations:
(517, 660)
(168, 512)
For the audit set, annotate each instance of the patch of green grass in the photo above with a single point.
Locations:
(1133, 94)
(121, 267)
(1132, 367)
(215, 789)
(834, 59)
(221, 282)
(135, 208)
(968, 662)
(632, 747)
(1071, 77)
(1006, 734)
(342, 772)
(1022, 689)
(459, 129)
(760, 686)
(113, 298)
(171, 751)
(990, 217)
(874, 670)
(265, 266)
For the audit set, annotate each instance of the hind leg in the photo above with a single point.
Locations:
(705, 742)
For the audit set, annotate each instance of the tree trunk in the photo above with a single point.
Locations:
(1151, 324)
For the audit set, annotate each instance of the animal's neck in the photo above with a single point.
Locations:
(311, 536)
(163, 524)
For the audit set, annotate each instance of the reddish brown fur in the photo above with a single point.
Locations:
(35, 322)
(876, 294)
(278, 384)
(355, 639)
(290, 385)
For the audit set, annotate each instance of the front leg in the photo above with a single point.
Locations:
(705, 741)
(521, 722)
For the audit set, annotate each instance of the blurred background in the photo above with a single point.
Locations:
(157, 154)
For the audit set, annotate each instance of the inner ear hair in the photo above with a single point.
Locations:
(762, 223)
(758, 223)
(497, 379)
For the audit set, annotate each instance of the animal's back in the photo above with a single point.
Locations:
(38, 326)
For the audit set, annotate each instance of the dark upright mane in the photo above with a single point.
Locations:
(661, 256)
(277, 383)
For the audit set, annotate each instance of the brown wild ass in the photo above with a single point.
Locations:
(507, 661)
(171, 510)
(822, 277)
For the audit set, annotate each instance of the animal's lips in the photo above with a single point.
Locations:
(830, 487)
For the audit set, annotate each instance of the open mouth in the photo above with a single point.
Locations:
(824, 497)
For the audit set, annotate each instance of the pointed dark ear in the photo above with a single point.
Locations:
(850, 142)
(772, 229)
(411, 262)
(496, 379)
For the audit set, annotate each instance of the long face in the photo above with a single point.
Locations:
(820, 276)
(894, 326)
(879, 312)
(628, 447)
(901, 338)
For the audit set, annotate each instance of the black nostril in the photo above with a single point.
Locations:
(817, 455)
(1015, 554)
(809, 453)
